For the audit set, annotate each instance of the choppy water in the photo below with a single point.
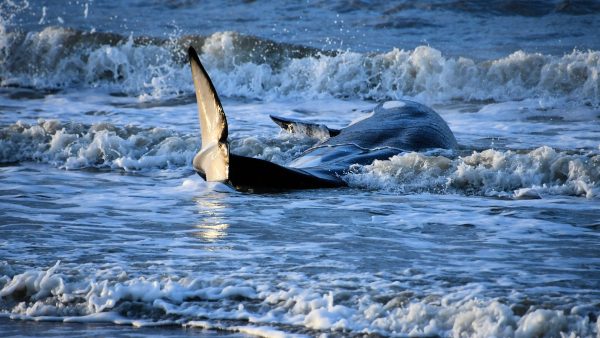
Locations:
(105, 227)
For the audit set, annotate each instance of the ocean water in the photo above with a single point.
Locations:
(105, 229)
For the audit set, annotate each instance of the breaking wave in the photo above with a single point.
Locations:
(103, 145)
(129, 148)
(252, 67)
(260, 307)
(489, 172)
(503, 173)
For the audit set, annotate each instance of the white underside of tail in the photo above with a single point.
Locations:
(213, 157)
(213, 161)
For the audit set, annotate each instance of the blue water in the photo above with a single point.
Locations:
(106, 229)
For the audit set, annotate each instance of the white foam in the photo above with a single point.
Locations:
(36, 284)
(541, 323)
(48, 295)
(393, 104)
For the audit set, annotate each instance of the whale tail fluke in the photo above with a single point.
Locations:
(212, 161)
(215, 163)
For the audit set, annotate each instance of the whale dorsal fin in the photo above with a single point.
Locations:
(213, 157)
(310, 129)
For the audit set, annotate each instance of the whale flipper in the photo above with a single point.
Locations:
(213, 158)
(310, 129)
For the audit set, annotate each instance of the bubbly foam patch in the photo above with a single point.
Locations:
(262, 307)
(490, 172)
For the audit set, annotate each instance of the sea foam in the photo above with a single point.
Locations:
(261, 308)
(490, 172)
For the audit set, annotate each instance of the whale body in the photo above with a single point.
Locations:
(393, 127)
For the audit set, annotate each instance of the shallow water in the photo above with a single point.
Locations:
(105, 228)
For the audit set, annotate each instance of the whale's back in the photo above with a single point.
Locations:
(394, 127)
(404, 125)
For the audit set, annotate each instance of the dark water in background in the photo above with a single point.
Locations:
(105, 228)
(479, 29)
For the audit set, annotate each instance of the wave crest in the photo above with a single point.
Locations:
(129, 148)
(257, 68)
(490, 172)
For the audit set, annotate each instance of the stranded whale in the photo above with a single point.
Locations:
(393, 128)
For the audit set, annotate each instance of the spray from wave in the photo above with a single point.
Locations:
(251, 67)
